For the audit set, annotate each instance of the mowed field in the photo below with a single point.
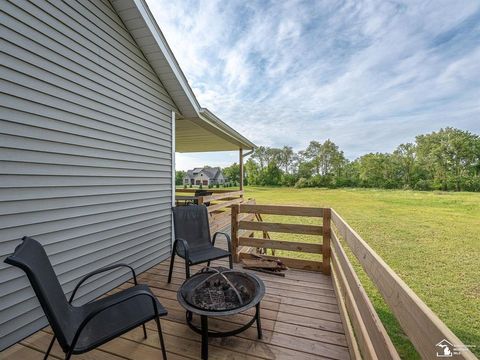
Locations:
(430, 239)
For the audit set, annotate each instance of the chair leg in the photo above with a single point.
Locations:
(49, 347)
(259, 323)
(160, 335)
(172, 260)
(208, 263)
(230, 261)
(69, 354)
(144, 331)
(187, 269)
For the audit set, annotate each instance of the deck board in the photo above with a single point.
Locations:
(300, 319)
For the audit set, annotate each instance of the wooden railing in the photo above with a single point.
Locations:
(366, 335)
(243, 234)
(220, 203)
(420, 324)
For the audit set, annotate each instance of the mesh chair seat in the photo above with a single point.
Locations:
(117, 319)
(201, 255)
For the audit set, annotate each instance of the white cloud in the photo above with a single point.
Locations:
(367, 74)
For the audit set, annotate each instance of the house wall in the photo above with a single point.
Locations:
(220, 179)
(201, 178)
(85, 152)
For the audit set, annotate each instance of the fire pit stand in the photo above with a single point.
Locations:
(220, 292)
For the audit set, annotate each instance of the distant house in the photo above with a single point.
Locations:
(204, 176)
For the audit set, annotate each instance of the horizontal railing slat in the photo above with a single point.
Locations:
(215, 191)
(224, 204)
(280, 245)
(363, 339)
(282, 210)
(282, 228)
(221, 196)
(382, 343)
(353, 347)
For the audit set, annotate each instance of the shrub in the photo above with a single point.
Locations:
(301, 183)
(423, 185)
(288, 180)
(472, 184)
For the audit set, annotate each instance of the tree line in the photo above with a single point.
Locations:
(448, 159)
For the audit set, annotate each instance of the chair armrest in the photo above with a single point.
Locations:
(99, 271)
(184, 244)
(227, 237)
(107, 306)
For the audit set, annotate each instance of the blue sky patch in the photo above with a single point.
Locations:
(367, 75)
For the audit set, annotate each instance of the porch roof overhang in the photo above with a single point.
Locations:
(208, 133)
(197, 128)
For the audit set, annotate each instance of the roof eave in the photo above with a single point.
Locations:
(213, 120)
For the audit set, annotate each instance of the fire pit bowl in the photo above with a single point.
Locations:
(218, 291)
(221, 291)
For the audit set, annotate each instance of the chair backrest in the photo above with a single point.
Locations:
(191, 224)
(204, 193)
(31, 258)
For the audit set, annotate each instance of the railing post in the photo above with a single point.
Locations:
(241, 168)
(327, 215)
(234, 232)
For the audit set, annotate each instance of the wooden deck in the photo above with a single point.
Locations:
(300, 320)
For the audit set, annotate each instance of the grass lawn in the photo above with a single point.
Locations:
(430, 239)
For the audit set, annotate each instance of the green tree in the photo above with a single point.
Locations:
(451, 155)
(448, 159)
(326, 158)
(273, 155)
(286, 158)
(252, 172)
(305, 169)
(375, 170)
(405, 157)
(271, 175)
(179, 175)
(312, 153)
(232, 173)
(261, 156)
(351, 174)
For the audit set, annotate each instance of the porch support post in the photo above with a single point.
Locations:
(173, 174)
(241, 167)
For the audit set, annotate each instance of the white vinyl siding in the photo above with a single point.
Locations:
(85, 151)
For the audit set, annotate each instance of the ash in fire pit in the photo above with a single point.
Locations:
(219, 289)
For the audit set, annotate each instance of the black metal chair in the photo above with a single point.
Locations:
(192, 238)
(203, 193)
(82, 328)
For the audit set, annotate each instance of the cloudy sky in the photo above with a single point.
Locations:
(368, 75)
